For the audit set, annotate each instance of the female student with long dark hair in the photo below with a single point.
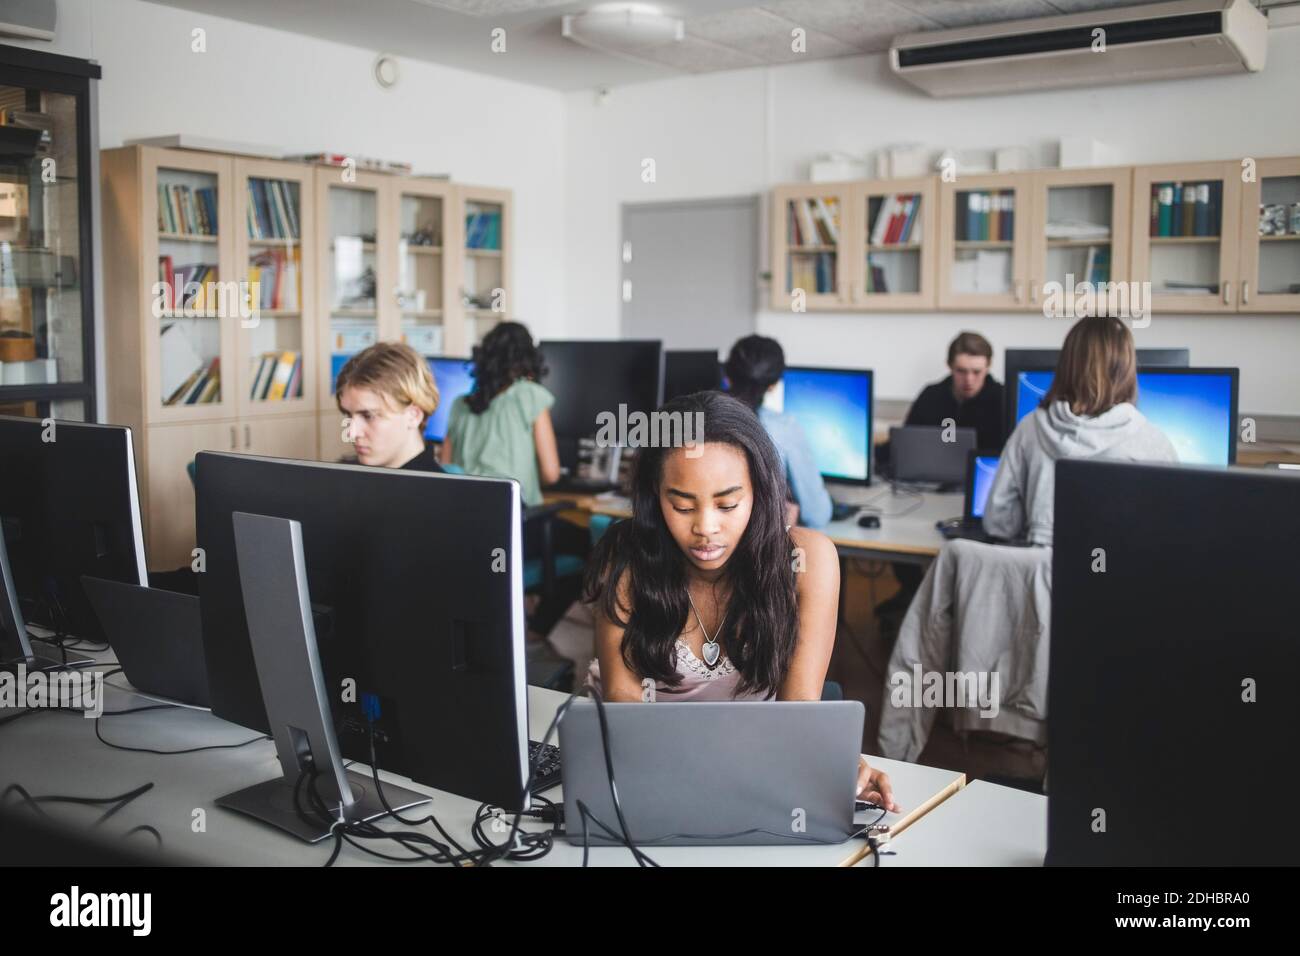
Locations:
(705, 590)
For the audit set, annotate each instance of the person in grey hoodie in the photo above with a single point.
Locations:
(1088, 412)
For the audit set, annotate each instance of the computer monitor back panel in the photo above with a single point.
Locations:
(1174, 656)
(416, 588)
(454, 378)
(70, 506)
(834, 408)
(1196, 408)
(588, 378)
(687, 372)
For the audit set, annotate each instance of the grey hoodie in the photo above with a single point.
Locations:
(1020, 503)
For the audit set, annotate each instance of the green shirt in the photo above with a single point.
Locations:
(499, 442)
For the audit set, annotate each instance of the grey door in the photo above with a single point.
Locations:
(690, 271)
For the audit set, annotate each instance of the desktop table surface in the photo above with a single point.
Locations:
(58, 753)
(907, 519)
(983, 824)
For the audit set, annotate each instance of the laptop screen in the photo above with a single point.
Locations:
(979, 481)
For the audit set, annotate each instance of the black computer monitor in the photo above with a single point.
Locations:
(1013, 360)
(69, 505)
(454, 378)
(687, 372)
(1171, 679)
(1196, 408)
(834, 407)
(591, 377)
(416, 587)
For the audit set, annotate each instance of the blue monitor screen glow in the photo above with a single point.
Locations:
(454, 377)
(1195, 408)
(986, 466)
(834, 408)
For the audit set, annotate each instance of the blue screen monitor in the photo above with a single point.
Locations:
(1195, 407)
(834, 407)
(454, 378)
(981, 480)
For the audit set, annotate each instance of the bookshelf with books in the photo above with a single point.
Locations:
(1078, 228)
(1185, 229)
(899, 226)
(425, 264)
(276, 357)
(816, 246)
(185, 336)
(983, 241)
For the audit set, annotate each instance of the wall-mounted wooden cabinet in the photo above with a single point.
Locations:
(1213, 237)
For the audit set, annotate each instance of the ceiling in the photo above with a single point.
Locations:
(720, 34)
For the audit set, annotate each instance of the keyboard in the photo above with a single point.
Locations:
(579, 483)
(548, 765)
(841, 510)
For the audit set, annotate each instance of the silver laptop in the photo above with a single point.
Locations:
(713, 773)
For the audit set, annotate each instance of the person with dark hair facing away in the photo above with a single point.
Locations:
(754, 367)
(1089, 412)
(503, 429)
(971, 398)
(387, 393)
(706, 593)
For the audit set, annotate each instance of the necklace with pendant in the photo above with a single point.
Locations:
(712, 652)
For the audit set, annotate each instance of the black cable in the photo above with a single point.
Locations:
(163, 753)
(145, 829)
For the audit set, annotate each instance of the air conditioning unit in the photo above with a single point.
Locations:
(1155, 41)
(28, 19)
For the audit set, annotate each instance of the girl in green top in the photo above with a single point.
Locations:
(503, 427)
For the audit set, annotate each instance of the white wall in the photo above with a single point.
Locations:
(741, 132)
(255, 85)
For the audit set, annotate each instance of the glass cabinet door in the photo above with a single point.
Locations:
(350, 270)
(422, 263)
(277, 361)
(898, 218)
(194, 311)
(1080, 231)
(984, 252)
(46, 326)
(814, 265)
(1180, 244)
(485, 264)
(1270, 238)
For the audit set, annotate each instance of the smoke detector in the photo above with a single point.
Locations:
(623, 27)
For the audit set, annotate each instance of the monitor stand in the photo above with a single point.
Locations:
(273, 576)
(15, 638)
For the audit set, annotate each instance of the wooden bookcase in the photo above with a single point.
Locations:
(338, 263)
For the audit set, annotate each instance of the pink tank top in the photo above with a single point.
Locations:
(698, 682)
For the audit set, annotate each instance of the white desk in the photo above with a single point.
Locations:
(57, 753)
(900, 537)
(982, 825)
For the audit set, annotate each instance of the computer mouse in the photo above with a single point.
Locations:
(869, 521)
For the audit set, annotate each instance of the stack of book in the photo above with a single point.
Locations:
(272, 212)
(276, 273)
(186, 211)
(812, 272)
(990, 216)
(276, 376)
(188, 286)
(1185, 209)
(482, 230)
(813, 222)
(897, 221)
(202, 387)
